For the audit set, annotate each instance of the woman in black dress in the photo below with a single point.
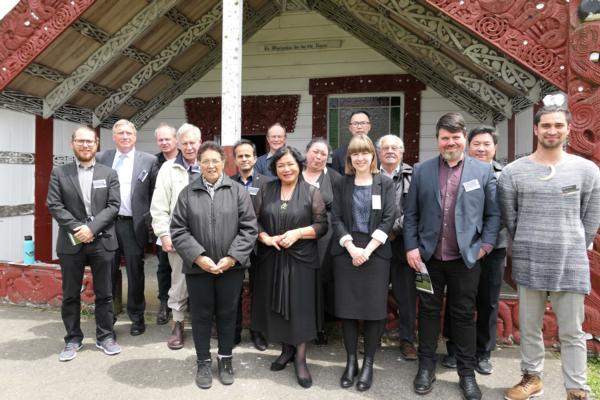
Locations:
(363, 215)
(291, 217)
(318, 175)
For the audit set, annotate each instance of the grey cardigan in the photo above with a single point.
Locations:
(213, 227)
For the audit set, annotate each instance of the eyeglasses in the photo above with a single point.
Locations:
(81, 142)
(360, 123)
(393, 148)
(206, 163)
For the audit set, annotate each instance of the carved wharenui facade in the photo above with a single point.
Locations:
(93, 62)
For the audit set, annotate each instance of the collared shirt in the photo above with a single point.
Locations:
(125, 171)
(247, 183)
(85, 176)
(263, 164)
(392, 174)
(212, 186)
(449, 181)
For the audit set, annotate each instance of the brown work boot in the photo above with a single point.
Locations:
(175, 339)
(577, 394)
(529, 387)
(408, 351)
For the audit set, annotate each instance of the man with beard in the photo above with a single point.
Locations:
(167, 143)
(451, 220)
(551, 206)
(83, 198)
(244, 153)
(173, 176)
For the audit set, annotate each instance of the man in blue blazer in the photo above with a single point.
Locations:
(451, 220)
(137, 176)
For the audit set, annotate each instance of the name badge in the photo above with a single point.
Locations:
(252, 190)
(569, 189)
(376, 200)
(100, 183)
(143, 175)
(471, 185)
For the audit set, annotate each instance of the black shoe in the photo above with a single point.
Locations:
(484, 366)
(204, 374)
(164, 313)
(469, 388)
(321, 339)
(423, 382)
(225, 370)
(304, 382)
(365, 379)
(350, 372)
(259, 341)
(137, 328)
(449, 361)
(287, 354)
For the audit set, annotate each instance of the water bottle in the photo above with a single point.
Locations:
(28, 251)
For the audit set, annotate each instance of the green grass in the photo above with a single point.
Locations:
(594, 376)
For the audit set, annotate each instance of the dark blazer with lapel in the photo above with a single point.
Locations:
(141, 191)
(382, 219)
(65, 203)
(258, 180)
(477, 214)
(338, 159)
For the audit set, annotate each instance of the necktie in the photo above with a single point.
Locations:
(120, 162)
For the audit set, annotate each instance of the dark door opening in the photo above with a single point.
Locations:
(259, 141)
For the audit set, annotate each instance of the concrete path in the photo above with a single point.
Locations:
(31, 338)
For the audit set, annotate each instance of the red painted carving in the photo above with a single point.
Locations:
(533, 36)
(258, 113)
(40, 284)
(29, 28)
(322, 87)
(584, 139)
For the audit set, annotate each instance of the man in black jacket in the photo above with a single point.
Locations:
(244, 152)
(83, 198)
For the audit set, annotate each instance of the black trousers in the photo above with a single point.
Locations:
(163, 274)
(405, 292)
(72, 269)
(214, 296)
(488, 299)
(461, 284)
(134, 265)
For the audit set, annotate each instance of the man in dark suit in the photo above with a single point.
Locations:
(83, 198)
(276, 138)
(137, 175)
(244, 153)
(451, 220)
(359, 124)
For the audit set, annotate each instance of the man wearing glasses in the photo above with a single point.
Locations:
(360, 124)
(83, 198)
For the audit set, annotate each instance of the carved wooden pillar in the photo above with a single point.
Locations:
(584, 103)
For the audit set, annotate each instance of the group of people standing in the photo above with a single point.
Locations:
(319, 238)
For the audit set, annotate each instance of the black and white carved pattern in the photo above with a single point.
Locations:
(62, 160)
(105, 54)
(16, 210)
(154, 106)
(41, 71)
(454, 38)
(182, 42)
(424, 51)
(90, 30)
(16, 157)
(179, 18)
(293, 5)
(427, 74)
